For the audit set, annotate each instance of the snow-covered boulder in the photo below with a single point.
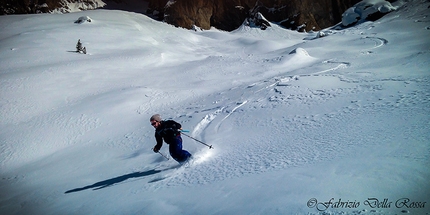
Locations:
(366, 10)
(83, 19)
(299, 51)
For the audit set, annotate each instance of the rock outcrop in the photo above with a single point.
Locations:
(302, 15)
(46, 6)
(26, 6)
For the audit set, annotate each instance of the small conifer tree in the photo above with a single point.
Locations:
(79, 47)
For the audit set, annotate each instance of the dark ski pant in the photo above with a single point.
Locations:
(176, 151)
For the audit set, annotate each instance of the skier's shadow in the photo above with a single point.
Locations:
(112, 181)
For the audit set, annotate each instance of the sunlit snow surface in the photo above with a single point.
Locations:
(297, 121)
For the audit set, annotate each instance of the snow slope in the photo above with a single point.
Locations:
(300, 124)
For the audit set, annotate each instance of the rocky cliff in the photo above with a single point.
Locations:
(46, 6)
(301, 15)
(229, 14)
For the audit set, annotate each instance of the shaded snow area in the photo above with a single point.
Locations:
(365, 9)
(334, 125)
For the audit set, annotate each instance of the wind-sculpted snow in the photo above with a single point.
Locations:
(287, 131)
(300, 123)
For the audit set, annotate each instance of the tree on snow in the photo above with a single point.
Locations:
(79, 48)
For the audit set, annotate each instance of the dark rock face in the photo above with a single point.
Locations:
(222, 14)
(43, 6)
(27, 6)
(302, 15)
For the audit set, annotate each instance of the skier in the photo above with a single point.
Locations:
(169, 131)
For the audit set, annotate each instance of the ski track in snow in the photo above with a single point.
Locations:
(359, 98)
(239, 104)
(207, 119)
(378, 41)
(360, 95)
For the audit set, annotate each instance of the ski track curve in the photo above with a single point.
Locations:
(203, 124)
(341, 65)
(239, 104)
(379, 41)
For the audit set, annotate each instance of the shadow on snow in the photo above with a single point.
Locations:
(116, 180)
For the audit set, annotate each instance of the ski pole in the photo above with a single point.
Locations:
(210, 146)
(162, 154)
